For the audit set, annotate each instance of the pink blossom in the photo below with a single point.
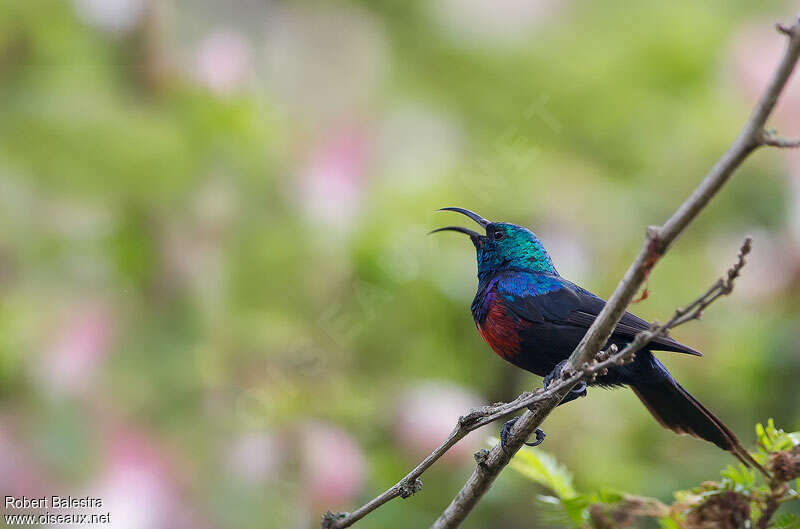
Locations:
(427, 415)
(19, 472)
(79, 345)
(333, 465)
(223, 61)
(331, 184)
(140, 485)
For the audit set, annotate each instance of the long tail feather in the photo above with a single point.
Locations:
(676, 409)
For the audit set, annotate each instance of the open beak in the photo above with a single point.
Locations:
(475, 236)
(471, 214)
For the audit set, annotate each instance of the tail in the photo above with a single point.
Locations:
(675, 408)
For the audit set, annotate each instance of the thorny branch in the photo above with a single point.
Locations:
(587, 360)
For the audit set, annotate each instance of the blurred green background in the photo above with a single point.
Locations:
(218, 304)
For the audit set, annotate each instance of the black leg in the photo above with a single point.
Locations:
(540, 435)
(576, 392)
(554, 374)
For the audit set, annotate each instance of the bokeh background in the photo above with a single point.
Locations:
(218, 304)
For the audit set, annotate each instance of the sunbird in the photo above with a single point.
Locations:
(534, 318)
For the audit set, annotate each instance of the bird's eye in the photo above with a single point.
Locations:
(498, 235)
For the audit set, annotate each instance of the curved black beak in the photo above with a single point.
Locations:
(471, 214)
(473, 235)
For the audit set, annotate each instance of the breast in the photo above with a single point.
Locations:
(500, 328)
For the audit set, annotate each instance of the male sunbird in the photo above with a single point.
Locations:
(534, 318)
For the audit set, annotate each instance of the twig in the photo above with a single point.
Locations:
(772, 502)
(479, 417)
(657, 242)
(769, 138)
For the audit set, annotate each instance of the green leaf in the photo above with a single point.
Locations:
(668, 523)
(738, 478)
(544, 469)
(786, 521)
(771, 439)
(761, 434)
(576, 509)
(557, 513)
(608, 496)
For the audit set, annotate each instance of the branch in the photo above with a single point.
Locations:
(586, 362)
(479, 417)
(657, 242)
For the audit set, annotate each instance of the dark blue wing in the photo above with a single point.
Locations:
(545, 298)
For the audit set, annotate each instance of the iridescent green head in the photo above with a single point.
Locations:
(504, 247)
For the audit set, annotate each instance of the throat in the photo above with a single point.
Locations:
(486, 275)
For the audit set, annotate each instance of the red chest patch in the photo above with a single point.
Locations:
(501, 330)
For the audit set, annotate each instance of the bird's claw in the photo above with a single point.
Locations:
(575, 393)
(578, 391)
(540, 435)
(555, 374)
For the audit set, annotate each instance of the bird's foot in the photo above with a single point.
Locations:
(576, 392)
(555, 374)
(540, 435)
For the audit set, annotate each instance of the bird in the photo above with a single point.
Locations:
(534, 318)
